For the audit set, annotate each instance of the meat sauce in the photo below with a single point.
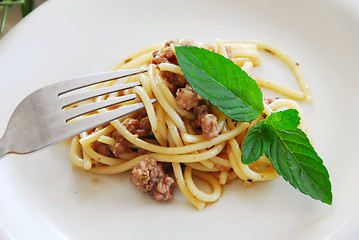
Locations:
(148, 174)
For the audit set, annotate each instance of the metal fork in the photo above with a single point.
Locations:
(42, 120)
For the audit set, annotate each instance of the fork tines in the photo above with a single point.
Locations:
(67, 97)
(43, 117)
(88, 80)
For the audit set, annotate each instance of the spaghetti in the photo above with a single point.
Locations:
(182, 132)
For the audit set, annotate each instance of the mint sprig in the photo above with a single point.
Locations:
(220, 81)
(255, 144)
(225, 85)
(291, 154)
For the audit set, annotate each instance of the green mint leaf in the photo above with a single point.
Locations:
(285, 120)
(291, 154)
(218, 80)
(255, 143)
(294, 158)
(226, 86)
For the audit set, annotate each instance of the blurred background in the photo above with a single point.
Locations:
(12, 11)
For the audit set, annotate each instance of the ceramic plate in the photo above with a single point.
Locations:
(43, 197)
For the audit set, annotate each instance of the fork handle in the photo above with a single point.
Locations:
(3, 147)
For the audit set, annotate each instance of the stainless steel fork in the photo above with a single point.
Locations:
(41, 119)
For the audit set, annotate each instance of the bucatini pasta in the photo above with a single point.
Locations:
(182, 137)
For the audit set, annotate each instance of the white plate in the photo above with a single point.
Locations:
(43, 197)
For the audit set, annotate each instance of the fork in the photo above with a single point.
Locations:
(42, 119)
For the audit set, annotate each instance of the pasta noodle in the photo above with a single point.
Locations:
(174, 135)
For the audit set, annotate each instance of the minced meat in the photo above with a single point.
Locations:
(164, 55)
(140, 127)
(122, 145)
(139, 124)
(209, 125)
(102, 149)
(150, 177)
(186, 98)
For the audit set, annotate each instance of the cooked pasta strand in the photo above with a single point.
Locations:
(175, 134)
